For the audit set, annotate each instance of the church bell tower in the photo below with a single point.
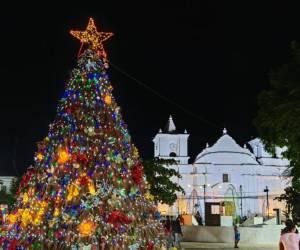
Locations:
(170, 144)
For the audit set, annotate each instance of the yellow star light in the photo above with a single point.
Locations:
(92, 37)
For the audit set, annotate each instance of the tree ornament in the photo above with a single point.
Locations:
(91, 131)
(26, 217)
(149, 196)
(118, 216)
(150, 245)
(12, 218)
(107, 99)
(137, 173)
(134, 246)
(135, 153)
(92, 37)
(39, 156)
(91, 188)
(91, 65)
(76, 165)
(63, 155)
(25, 198)
(73, 191)
(86, 228)
(56, 212)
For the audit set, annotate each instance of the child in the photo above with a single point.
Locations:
(237, 236)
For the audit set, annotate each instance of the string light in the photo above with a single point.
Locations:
(92, 37)
(87, 184)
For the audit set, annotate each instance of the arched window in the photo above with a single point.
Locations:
(172, 154)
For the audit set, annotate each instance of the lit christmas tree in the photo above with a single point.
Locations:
(87, 188)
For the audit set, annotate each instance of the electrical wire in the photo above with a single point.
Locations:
(155, 92)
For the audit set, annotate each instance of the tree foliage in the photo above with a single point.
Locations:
(278, 119)
(292, 199)
(158, 174)
(9, 197)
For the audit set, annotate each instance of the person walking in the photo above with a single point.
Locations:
(237, 236)
(177, 232)
(289, 239)
(199, 219)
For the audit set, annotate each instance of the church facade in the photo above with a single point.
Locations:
(243, 180)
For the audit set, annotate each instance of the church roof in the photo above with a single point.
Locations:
(170, 127)
(226, 151)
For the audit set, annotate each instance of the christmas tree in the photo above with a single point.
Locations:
(86, 187)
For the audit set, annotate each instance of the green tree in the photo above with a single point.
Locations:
(292, 199)
(158, 174)
(15, 185)
(278, 119)
(9, 197)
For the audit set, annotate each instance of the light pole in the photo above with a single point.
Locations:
(204, 194)
(266, 190)
(241, 194)
(204, 197)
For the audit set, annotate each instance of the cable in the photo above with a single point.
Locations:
(163, 97)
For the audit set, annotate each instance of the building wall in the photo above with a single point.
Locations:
(5, 182)
(165, 144)
(268, 234)
(249, 174)
(252, 178)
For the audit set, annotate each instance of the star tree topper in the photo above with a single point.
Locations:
(92, 37)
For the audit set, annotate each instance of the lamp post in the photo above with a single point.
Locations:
(266, 190)
(204, 197)
(241, 194)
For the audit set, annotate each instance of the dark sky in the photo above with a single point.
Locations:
(210, 57)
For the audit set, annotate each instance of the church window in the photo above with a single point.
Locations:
(225, 177)
(173, 154)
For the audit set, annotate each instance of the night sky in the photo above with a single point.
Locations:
(211, 58)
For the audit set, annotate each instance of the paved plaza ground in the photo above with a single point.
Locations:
(227, 246)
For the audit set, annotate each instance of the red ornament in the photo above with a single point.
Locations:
(101, 210)
(13, 245)
(2, 239)
(84, 180)
(82, 158)
(58, 234)
(137, 173)
(25, 179)
(150, 245)
(117, 217)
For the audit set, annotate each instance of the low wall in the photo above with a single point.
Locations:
(267, 234)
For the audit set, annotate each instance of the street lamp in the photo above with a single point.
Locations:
(266, 190)
(241, 194)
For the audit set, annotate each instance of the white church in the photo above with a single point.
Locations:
(224, 179)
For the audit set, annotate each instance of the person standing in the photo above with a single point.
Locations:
(289, 239)
(177, 232)
(237, 236)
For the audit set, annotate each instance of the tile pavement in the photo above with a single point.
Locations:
(227, 246)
